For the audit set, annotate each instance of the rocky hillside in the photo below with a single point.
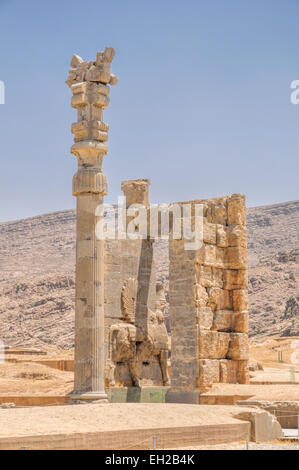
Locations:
(37, 257)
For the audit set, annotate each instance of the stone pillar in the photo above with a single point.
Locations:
(209, 303)
(136, 193)
(89, 84)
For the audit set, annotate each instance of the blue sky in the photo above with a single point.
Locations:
(202, 106)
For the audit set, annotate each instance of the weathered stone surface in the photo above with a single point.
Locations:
(213, 272)
(219, 211)
(95, 130)
(213, 344)
(235, 279)
(98, 71)
(240, 322)
(219, 299)
(136, 191)
(264, 426)
(240, 300)
(208, 373)
(243, 372)
(286, 411)
(205, 318)
(228, 371)
(238, 347)
(236, 258)
(237, 236)
(222, 237)
(209, 232)
(206, 255)
(209, 276)
(201, 296)
(236, 210)
(211, 255)
(222, 320)
(76, 60)
(133, 353)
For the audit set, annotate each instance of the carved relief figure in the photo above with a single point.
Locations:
(156, 341)
(122, 336)
(123, 344)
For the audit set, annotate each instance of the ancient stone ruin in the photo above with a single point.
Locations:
(120, 335)
(89, 83)
(208, 302)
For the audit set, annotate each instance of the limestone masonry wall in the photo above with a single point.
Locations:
(208, 300)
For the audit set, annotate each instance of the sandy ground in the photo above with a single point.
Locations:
(110, 417)
(33, 379)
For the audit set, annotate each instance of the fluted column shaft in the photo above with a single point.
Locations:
(89, 85)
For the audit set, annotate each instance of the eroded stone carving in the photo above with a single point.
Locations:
(156, 341)
(124, 344)
(128, 299)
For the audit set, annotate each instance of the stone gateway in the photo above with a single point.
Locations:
(120, 334)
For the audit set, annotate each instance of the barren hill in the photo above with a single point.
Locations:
(37, 257)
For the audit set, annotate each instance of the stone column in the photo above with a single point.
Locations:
(89, 84)
(136, 193)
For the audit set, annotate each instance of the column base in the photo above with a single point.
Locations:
(88, 397)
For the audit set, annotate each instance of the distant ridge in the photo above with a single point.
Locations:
(37, 258)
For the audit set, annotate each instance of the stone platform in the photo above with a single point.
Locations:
(120, 426)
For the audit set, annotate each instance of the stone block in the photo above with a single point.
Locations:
(228, 371)
(208, 372)
(240, 300)
(236, 210)
(213, 344)
(206, 255)
(208, 276)
(201, 296)
(243, 372)
(99, 73)
(237, 236)
(240, 322)
(235, 279)
(220, 257)
(264, 426)
(220, 214)
(205, 318)
(236, 258)
(219, 299)
(222, 320)
(217, 277)
(209, 232)
(95, 130)
(76, 60)
(221, 239)
(211, 255)
(238, 347)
